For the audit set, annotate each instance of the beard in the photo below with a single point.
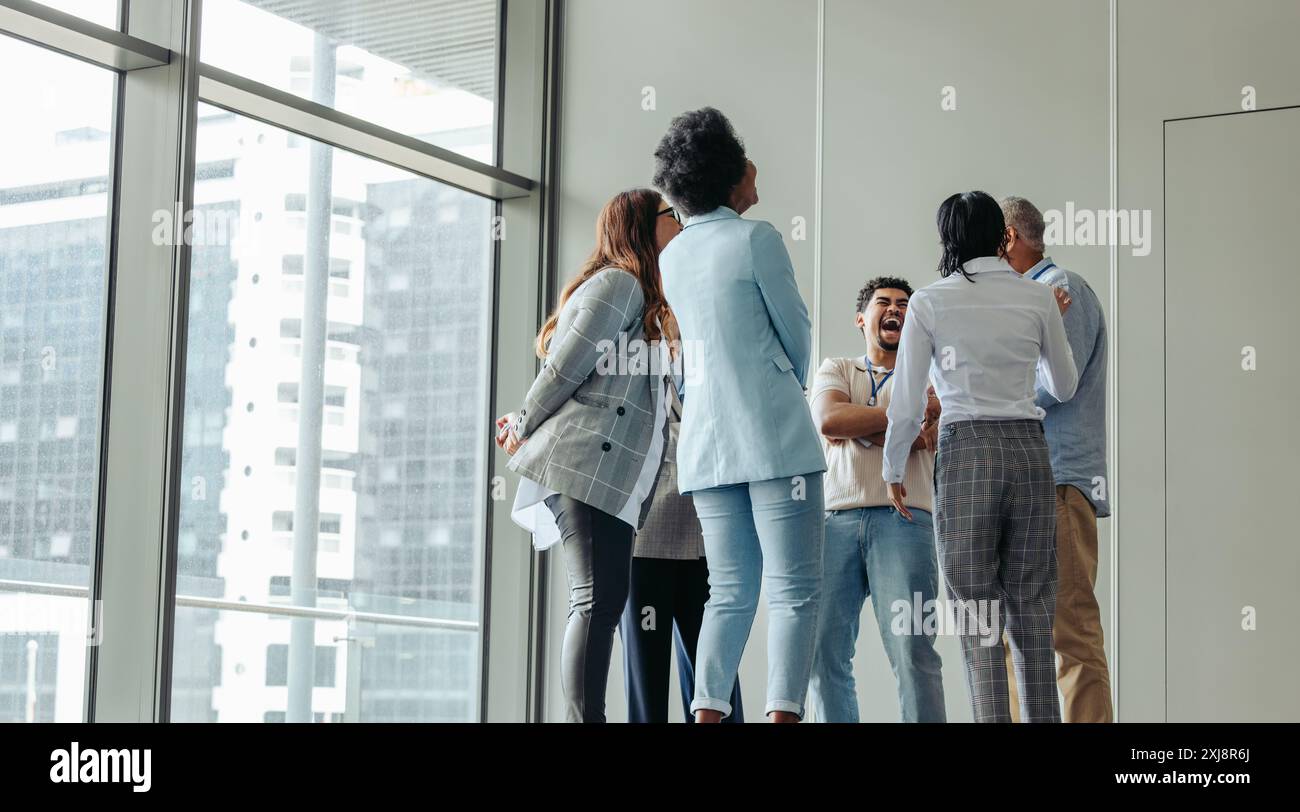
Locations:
(887, 346)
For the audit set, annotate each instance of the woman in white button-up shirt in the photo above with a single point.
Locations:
(984, 334)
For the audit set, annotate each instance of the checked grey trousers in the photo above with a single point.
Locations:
(995, 529)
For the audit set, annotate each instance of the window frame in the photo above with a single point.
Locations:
(160, 82)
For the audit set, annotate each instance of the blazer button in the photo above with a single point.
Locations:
(621, 411)
(523, 412)
(605, 446)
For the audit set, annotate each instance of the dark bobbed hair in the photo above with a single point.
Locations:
(971, 226)
(699, 161)
(887, 282)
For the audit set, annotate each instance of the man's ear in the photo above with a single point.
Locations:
(860, 321)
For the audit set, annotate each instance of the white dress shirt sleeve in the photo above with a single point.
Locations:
(1056, 371)
(911, 377)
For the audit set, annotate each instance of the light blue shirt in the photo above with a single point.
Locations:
(985, 344)
(746, 341)
(1076, 429)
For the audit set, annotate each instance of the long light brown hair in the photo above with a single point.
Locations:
(625, 239)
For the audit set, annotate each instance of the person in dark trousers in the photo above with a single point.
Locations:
(670, 584)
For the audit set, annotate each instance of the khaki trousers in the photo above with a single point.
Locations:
(1082, 675)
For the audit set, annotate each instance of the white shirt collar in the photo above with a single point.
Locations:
(865, 364)
(987, 264)
(1038, 266)
(720, 213)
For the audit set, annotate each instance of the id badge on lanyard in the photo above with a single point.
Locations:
(875, 386)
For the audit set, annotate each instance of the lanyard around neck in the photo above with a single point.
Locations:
(1043, 270)
(871, 375)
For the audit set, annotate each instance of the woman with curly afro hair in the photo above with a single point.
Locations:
(748, 451)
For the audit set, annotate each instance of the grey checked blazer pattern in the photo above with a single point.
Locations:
(588, 424)
(995, 530)
(672, 529)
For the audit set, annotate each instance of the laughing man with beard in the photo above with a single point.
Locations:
(870, 549)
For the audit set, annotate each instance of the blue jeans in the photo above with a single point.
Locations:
(875, 551)
(766, 534)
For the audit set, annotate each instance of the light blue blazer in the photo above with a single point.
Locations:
(747, 340)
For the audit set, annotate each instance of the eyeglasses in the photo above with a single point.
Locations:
(673, 212)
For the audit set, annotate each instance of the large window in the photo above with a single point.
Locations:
(54, 205)
(357, 463)
(425, 68)
(250, 323)
(102, 12)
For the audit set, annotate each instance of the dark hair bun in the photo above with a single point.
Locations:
(699, 161)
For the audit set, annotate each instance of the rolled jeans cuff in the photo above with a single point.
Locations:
(704, 703)
(784, 706)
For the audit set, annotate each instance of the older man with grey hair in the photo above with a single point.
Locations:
(1076, 436)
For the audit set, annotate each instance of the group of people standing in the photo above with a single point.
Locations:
(970, 436)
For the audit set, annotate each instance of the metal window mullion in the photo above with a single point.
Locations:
(326, 124)
(79, 38)
(514, 593)
(547, 279)
(145, 368)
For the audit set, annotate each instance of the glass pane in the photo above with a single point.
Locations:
(102, 12)
(424, 68)
(225, 670)
(55, 154)
(333, 457)
(42, 656)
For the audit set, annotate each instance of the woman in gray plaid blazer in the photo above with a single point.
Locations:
(589, 438)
